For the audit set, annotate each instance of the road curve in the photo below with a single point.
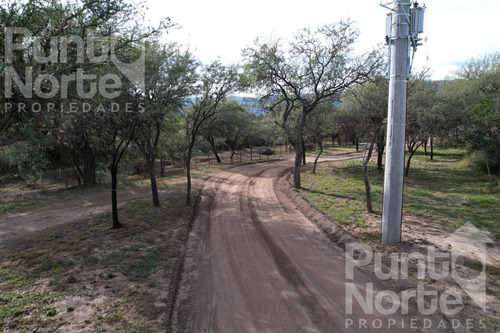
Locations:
(256, 264)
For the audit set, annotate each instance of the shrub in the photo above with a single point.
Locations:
(267, 151)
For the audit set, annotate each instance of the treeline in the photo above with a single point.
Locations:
(85, 83)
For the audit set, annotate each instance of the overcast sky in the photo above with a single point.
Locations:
(456, 30)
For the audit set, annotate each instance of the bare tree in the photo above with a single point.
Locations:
(316, 66)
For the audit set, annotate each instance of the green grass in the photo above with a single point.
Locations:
(13, 207)
(85, 258)
(329, 149)
(446, 191)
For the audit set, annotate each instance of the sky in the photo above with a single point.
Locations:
(455, 30)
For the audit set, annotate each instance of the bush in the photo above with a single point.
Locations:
(267, 151)
(138, 168)
(476, 160)
(23, 160)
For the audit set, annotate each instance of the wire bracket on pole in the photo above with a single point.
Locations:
(415, 20)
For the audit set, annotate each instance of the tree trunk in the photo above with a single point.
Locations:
(411, 151)
(188, 174)
(380, 148)
(357, 144)
(89, 166)
(366, 180)
(114, 199)
(214, 150)
(317, 157)
(296, 166)
(154, 185)
(425, 148)
(490, 176)
(251, 156)
(162, 168)
(432, 147)
(380, 156)
(299, 153)
(76, 169)
(303, 152)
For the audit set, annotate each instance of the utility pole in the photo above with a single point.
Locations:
(404, 24)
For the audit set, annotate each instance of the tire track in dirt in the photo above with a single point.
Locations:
(254, 263)
(317, 313)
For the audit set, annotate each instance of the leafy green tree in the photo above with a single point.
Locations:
(476, 79)
(368, 104)
(230, 125)
(421, 98)
(483, 74)
(483, 132)
(346, 126)
(317, 127)
(32, 117)
(170, 78)
(454, 100)
(216, 83)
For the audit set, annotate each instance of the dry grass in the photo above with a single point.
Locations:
(85, 276)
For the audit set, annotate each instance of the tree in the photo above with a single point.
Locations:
(170, 77)
(476, 79)
(67, 26)
(483, 74)
(216, 83)
(316, 66)
(483, 132)
(421, 99)
(317, 127)
(369, 106)
(116, 132)
(346, 126)
(76, 135)
(229, 125)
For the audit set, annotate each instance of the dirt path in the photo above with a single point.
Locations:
(80, 204)
(256, 264)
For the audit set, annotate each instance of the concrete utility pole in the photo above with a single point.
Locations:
(400, 35)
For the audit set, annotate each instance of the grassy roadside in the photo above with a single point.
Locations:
(445, 191)
(86, 276)
(440, 196)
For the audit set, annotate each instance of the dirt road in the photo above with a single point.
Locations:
(256, 264)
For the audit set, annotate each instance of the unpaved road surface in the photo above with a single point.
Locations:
(256, 264)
